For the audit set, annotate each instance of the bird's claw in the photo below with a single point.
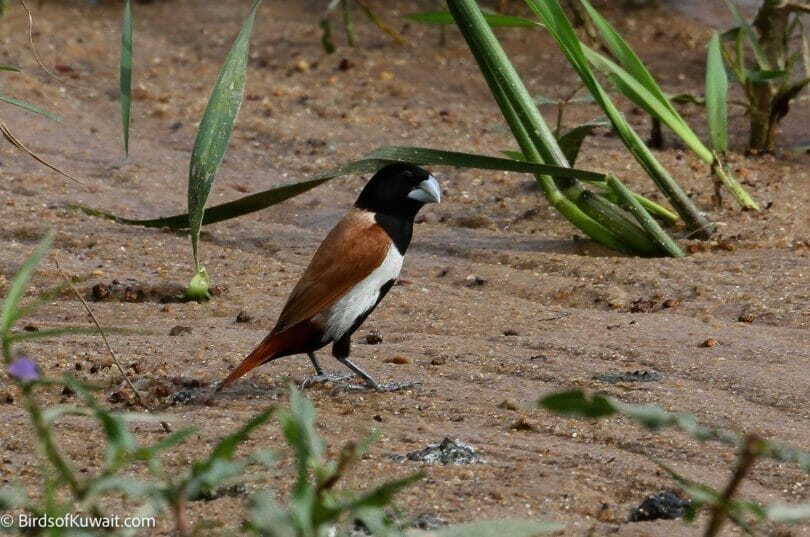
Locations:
(323, 378)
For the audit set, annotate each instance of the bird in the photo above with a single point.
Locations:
(350, 273)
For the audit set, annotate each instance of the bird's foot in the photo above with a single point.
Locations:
(323, 378)
(382, 388)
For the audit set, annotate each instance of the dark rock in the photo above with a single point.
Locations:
(179, 330)
(629, 376)
(449, 451)
(428, 521)
(243, 317)
(233, 491)
(181, 398)
(374, 337)
(661, 505)
(100, 292)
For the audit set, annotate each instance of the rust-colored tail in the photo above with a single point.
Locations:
(264, 352)
(296, 339)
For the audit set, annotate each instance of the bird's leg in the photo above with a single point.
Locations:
(370, 382)
(320, 376)
(315, 363)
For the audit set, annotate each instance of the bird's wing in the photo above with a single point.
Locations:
(351, 251)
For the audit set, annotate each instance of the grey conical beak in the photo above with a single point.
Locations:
(428, 191)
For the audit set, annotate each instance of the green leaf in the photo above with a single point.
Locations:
(788, 514)
(198, 286)
(571, 141)
(30, 107)
(626, 56)
(493, 19)
(576, 403)
(174, 439)
(716, 96)
(126, 73)
(552, 15)
(764, 75)
(488, 528)
(756, 46)
(215, 129)
(368, 164)
(382, 495)
(8, 314)
(659, 108)
(119, 441)
(326, 36)
(8, 68)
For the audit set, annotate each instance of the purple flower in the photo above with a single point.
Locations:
(23, 369)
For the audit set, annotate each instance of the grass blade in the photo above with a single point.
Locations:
(20, 283)
(126, 73)
(8, 68)
(555, 20)
(644, 218)
(493, 19)
(28, 106)
(19, 145)
(626, 55)
(571, 141)
(756, 46)
(215, 129)
(368, 164)
(716, 96)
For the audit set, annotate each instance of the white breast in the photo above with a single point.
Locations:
(362, 297)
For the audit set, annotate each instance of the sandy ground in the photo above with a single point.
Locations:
(552, 312)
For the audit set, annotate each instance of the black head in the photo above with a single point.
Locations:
(399, 190)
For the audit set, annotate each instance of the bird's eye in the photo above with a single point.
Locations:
(407, 175)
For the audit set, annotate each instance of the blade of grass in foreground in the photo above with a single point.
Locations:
(368, 164)
(493, 19)
(20, 283)
(28, 106)
(213, 135)
(126, 73)
(557, 23)
(716, 96)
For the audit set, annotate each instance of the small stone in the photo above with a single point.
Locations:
(31, 328)
(643, 305)
(438, 360)
(711, 342)
(508, 405)
(510, 332)
(521, 424)
(377, 418)
(428, 522)
(243, 317)
(473, 281)
(662, 505)
(746, 317)
(374, 337)
(179, 330)
(386, 76)
(302, 66)
(181, 398)
(218, 290)
(345, 64)
(670, 303)
(100, 292)
(449, 451)
(397, 359)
